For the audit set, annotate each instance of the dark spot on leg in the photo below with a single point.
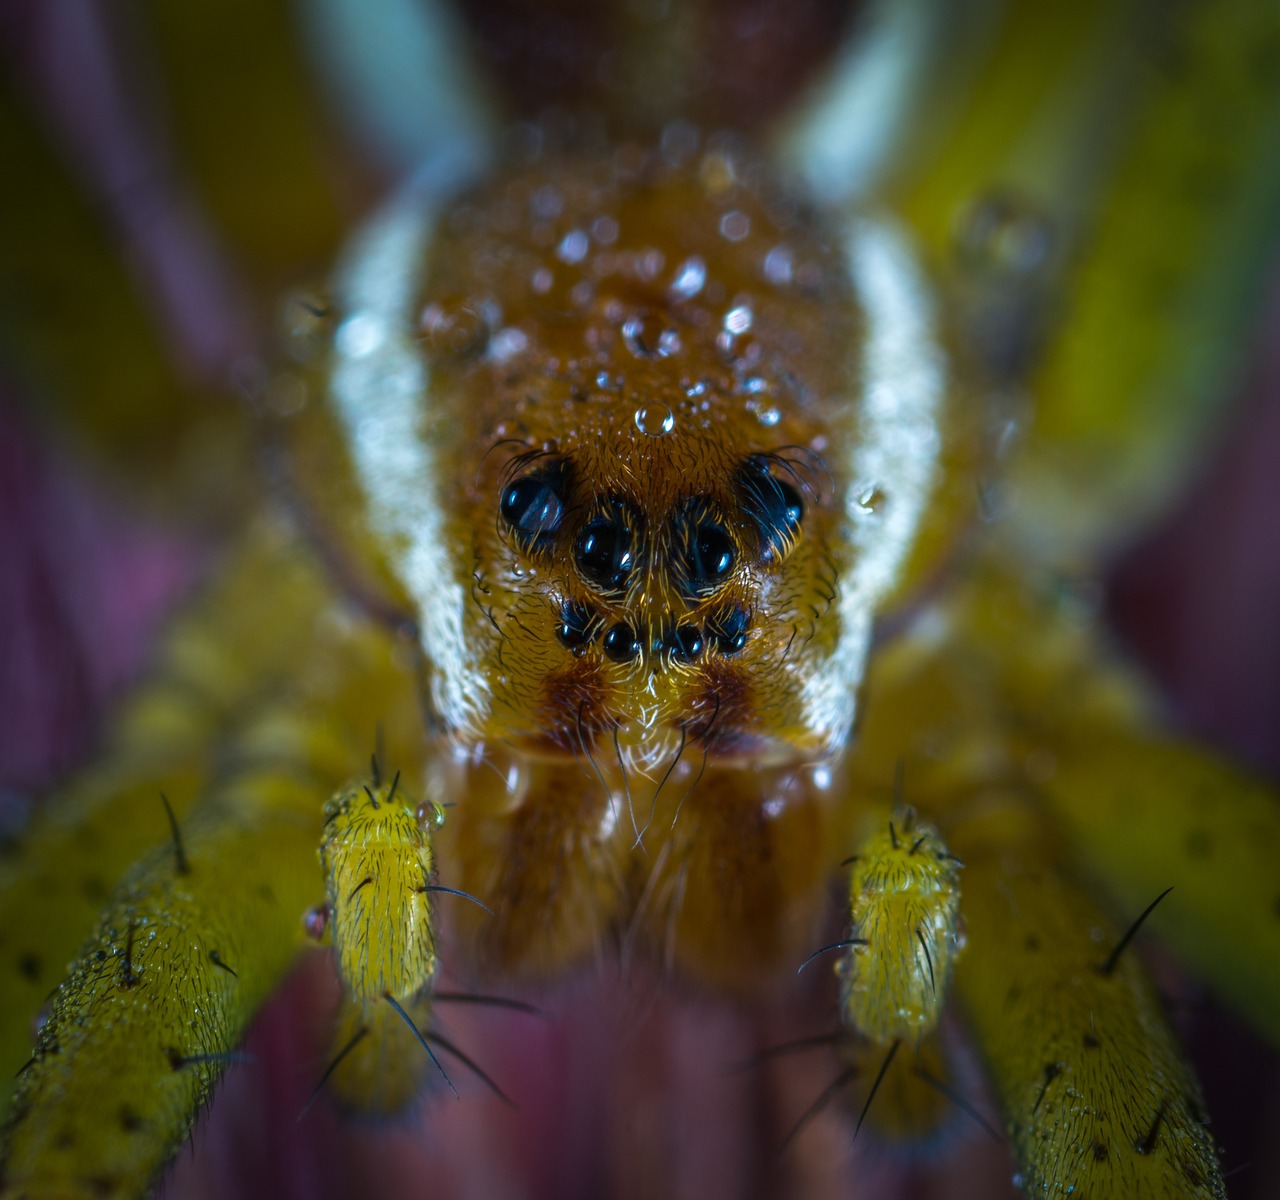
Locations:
(1032, 942)
(1099, 1152)
(29, 966)
(1091, 1042)
(64, 1141)
(130, 1120)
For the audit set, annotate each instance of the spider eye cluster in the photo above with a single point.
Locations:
(699, 548)
(624, 641)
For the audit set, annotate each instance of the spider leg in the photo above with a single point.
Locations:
(1096, 1095)
(1149, 813)
(191, 944)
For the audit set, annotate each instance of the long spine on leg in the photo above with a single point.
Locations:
(1096, 1096)
(151, 1013)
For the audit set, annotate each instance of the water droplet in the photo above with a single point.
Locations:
(872, 498)
(573, 247)
(766, 414)
(454, 329)
(717, 172)
(286, 395)
(655, 420)
(679, 142)
(547, 203)
(604, 230)
(647, 335)
(308, 322)
(690, 277)
(1006, 235)
(359, 336)
(315, 921)
(777, 266)
(740, 350)
(608, 383)
(649, 264)
(738, 319)
(696, 389)
(735, 225)
(507, 343)
(542, 281)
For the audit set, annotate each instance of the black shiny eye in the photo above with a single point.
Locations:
(773, 504)
(621, 643)
(706, 550)
(579, 626)
(685, 642)
(534, 504)
(604, 549)
(729, 630)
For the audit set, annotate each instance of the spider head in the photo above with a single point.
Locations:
(641, 450)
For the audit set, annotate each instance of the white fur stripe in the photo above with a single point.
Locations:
(381, 396)
(895, 450)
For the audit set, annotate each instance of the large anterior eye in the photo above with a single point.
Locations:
(772, 504)
(706, 551)
(533, 505)
(605, 548)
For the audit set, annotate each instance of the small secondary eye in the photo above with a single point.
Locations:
(773, 505)
(685, 642)
(579, 626)
(604, 548)
(621, 643)
(534, 505)
(729, 630)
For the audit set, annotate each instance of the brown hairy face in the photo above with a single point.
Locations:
(655, 357)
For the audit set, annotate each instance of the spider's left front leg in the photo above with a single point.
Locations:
(203, 928)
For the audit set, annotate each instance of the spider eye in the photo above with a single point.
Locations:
(772, 504)
(604, 549)
(621, 643)
(707, 551)
(534, 504)
(685, 643)
(578, 626)
(729, 630)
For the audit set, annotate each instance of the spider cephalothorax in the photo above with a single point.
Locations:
(701, 479)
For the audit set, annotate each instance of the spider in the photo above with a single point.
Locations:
(594, 656)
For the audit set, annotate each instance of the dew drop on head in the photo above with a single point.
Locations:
(655, 420)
